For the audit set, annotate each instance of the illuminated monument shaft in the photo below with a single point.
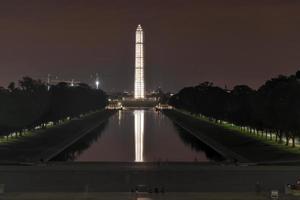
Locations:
(139, 84)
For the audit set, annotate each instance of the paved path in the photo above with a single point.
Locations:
(216, 146)
(123, 177)
(45, 144)
(230, 143)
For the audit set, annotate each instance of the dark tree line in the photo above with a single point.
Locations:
(31, 104)
(273, 108)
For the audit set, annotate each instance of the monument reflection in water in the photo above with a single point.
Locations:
(139, 135)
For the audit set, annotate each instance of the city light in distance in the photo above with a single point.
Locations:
(97, 84)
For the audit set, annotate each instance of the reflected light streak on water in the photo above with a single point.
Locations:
(139, 135)
(119, 117)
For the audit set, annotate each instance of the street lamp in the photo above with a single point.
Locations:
(97, 84)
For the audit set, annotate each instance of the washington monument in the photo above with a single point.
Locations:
(139, 84)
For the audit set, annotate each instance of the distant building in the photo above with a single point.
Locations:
(56, 81)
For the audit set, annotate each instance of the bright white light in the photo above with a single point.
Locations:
(139, 85)
(72, 83)
(97, 84)
(139, 135)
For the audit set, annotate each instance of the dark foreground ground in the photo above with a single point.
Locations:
(80, 179)
(47, 143)
(231, 144)
(131, 196)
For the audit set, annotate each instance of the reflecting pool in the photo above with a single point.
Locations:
(139, 136)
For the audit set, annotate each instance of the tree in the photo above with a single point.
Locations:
(272, 108)
(31, 104)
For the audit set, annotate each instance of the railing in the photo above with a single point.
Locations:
(114, 105)
(163, 107)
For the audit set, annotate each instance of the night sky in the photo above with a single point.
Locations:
(186, 41)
